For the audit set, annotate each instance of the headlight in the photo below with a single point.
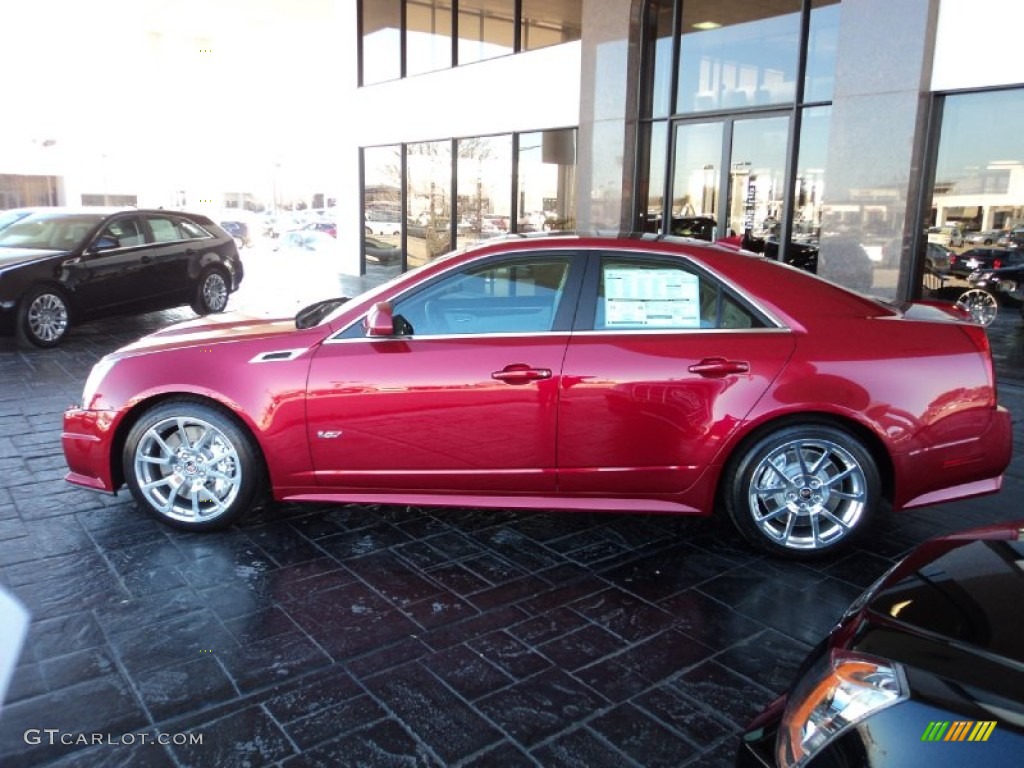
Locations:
(839, 691)
(96, 376)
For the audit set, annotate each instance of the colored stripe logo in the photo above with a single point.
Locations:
(959, 730)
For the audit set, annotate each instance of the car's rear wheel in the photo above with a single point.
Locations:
(43, 318)
(803, 490)
(211, 293)
(191, 465)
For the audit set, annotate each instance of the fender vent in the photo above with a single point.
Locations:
(277, 356)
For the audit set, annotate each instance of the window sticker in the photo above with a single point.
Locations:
(651, 298)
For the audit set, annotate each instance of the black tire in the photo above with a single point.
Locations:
(43, 317)
(212, 291)
(802, 491)
(182, 442)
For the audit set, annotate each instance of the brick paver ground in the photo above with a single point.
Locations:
(335, 635)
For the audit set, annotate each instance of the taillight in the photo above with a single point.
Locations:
(952, 258)
(997, 264)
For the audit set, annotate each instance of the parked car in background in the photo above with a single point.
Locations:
(963, 264)
(238, 230)
(951, 237)
(984, 237)
(305, 240)
(59, 267)
(382, 223)
(327, 227)
(620, 373)
(1005, 283)
(925, 670)
(937, 258)
(381, 252)
(1012, 239)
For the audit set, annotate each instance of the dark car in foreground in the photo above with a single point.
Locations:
(59, 267)
(638, 374)
(925, 670)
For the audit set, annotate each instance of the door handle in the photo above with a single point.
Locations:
(520, 373)
(719, 366)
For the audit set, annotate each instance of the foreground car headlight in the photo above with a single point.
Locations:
(840, 690)
(96, 376)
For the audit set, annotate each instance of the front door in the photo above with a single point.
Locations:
(464, 400)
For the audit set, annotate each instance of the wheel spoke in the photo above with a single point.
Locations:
(801, 459)
(841, 476)
(856, 496)
(168, 480)
(183, 435)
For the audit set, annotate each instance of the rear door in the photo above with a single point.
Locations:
(177, 243)
(664, 365)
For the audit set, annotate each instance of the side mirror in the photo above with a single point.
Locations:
(380, 320)
(104, 243)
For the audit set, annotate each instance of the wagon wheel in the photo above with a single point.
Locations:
(981, 305)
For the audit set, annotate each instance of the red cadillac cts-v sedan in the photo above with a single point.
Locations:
(638, 374)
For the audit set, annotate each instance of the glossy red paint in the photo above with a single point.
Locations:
(576, 417)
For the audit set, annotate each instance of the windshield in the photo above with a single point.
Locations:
(9, 217)
(52, 232)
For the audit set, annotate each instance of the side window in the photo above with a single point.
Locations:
(190, 230)
(126, 231)
(510, 297)
(165, 230)
(652, 295)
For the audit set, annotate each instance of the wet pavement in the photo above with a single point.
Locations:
(366, 635)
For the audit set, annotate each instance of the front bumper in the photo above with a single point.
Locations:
(87, 439)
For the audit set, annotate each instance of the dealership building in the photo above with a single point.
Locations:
(842, 127)
(850, 127)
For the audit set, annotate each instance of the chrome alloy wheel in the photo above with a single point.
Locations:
(187, 469)
(47, 317)
(980, 305)
(807, 494)
(215, 292)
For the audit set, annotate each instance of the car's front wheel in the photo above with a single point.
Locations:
(43, 318)
(211, 293)
(191, 465)
(802, 491)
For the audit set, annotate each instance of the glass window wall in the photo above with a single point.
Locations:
(549, 22)
(492, 194)
(486, 29)
(545, 190)
(428, 211)
(822, 43)
(428, 36)
(485, 191)
(382, 41)
(976, 212)
(735, 54)
(382, 210)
